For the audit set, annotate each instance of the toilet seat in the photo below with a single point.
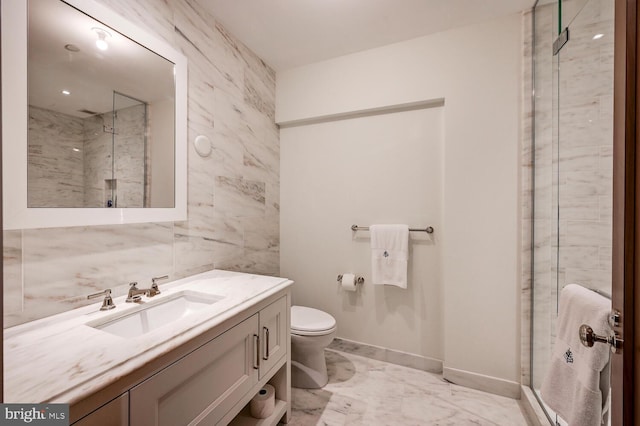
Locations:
(307, 321)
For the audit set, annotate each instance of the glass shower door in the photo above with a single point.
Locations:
(130, 168)
(573, 169)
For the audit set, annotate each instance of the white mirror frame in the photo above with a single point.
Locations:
(16, 214)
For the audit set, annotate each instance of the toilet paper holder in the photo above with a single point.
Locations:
(359, 279)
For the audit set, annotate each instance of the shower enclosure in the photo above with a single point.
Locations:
(573, 54)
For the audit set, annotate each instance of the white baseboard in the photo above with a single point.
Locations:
(393, 356)
(481, 382)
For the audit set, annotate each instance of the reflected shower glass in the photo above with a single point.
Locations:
(101, 129)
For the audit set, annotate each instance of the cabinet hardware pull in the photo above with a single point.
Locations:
(266, 350)
(256, 339)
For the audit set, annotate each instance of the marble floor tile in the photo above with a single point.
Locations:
(364, 391)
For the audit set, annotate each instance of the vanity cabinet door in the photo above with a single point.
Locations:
(114, 413)
(274, 332)
(202, 386)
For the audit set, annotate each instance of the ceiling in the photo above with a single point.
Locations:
(290, 33)
(89, 75)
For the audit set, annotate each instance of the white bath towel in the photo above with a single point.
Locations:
(576, 385)
(389, 254)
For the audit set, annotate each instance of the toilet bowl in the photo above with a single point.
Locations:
(311, 331)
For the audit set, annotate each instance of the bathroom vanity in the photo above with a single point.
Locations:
(195, 354)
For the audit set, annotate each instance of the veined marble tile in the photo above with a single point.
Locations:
(579, 159)
(257, 91)
(261, 160)
(272, 199)
(55, 169)
(154, 16)
(261, 72)
(579, 257)
(227, 143)
(605, 257)
(262, 233)
(255, 262)
(198, 34)
(605, 204)
(129, 148)
(238, 197)
(201, 101)
(588, 233)
(98, 161)
(63, 265)
(593, 278)
(193, 254)
(220, 106)
(363, 391)
(580, 183)
(580, 208)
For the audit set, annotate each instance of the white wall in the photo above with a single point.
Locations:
(476, 69)
(376, 169)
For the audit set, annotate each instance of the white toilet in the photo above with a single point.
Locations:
(311, 331)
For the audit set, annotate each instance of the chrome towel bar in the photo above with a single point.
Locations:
(428, 229)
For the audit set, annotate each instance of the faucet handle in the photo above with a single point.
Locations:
(107, 303)
(154, 285)
(132, 297)
(154, 279)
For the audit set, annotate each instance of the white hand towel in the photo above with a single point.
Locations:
(576, 385)
(389, 254)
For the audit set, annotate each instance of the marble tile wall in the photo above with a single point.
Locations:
(586, 148)
(233, 195)
(115, 161)
(55, 170)
(98, 159)
(129, 149)
(60, 176)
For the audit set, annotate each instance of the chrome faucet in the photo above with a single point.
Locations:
(135, 293)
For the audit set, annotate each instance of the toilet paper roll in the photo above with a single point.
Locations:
(348, 282)
(263, 404)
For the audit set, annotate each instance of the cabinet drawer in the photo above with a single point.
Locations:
(274, 332)
(114, 413)
(202, 386)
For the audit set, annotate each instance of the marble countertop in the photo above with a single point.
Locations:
(61, 359)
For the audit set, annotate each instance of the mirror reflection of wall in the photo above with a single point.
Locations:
(73, 161)
(101, 118)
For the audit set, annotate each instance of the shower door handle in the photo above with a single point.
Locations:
(589, 338)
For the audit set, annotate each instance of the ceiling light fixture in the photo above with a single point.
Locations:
(598, 36)
(66, 92)
(72, 47)
(101, 42)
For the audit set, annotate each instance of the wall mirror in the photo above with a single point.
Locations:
(94, 118)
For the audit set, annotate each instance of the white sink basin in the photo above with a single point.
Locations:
(155, 314)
